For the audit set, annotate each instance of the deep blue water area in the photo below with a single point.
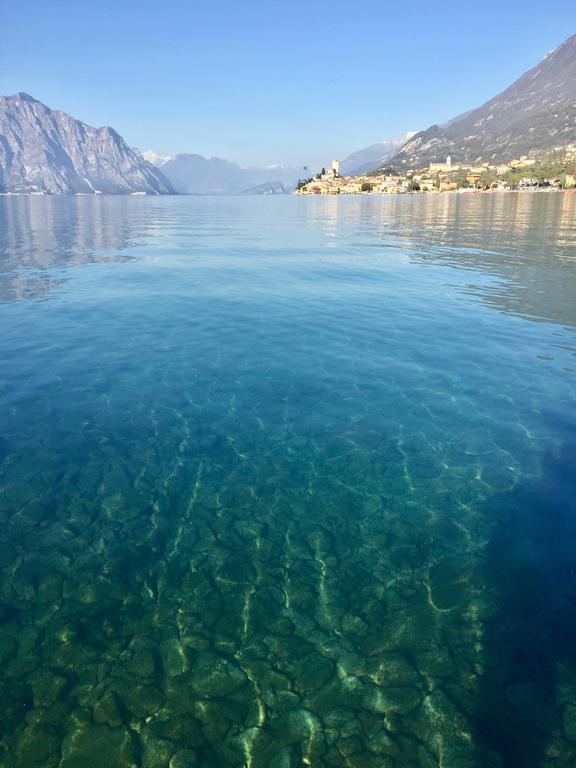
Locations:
(288, 481)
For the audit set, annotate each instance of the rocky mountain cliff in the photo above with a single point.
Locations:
(536, 112)
(42, 150)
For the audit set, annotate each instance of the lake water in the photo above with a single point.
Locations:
(288, 482)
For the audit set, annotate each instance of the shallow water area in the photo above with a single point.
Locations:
(288, 481)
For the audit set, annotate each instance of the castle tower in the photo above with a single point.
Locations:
(336, 167)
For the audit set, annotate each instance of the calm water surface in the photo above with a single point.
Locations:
(288, 482)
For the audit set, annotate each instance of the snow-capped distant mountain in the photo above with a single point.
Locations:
(374, 156)
(155, 158)
(198, 175)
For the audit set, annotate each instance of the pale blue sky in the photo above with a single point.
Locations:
(271, 82)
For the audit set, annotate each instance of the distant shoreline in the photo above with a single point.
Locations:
(415, 193)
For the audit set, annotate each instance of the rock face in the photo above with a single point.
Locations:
(42, 150)
(536, 112)
(374, 156)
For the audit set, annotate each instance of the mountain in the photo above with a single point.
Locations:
(537, 112)
(268, 188)
(195, 174)
(42, 150)
(155, 158)
(374, 156)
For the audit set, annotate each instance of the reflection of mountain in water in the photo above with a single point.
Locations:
(41, 233)
(519, 248)
(274, 471)
(504, 238)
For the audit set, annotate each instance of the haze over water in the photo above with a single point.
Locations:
(288, 481)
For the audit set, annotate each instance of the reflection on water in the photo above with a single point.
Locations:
(37, 234)
(288, 482)
(526, 241)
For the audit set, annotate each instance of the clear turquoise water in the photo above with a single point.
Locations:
(288, 482)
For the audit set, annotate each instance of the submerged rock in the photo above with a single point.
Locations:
(219, 718)
(383, 700)
(97, 746)
(106, 711)
(312, 671)
(349, 745)
(174, 658)
(445, 732)
(140, 701)
(184, 758)
(569, 721)
(38, 745)
(186, 732)
(450, 583)
(156, 753)
(393, 669)
(47, 687)
(213, 675)
(142, 663)
(382, 743)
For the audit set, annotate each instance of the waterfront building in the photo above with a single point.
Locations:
(443, 167)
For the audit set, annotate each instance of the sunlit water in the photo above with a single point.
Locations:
(288, 482)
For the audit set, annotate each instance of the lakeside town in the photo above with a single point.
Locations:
(555, 169)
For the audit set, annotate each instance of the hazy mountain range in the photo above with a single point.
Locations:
(373, 156)
(537, 112)
(195, 174)
(42, 150)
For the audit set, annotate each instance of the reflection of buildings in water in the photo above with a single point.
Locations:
(516, 251)
(446, 217)
(326, 213)
(37, 233)
(566, 232)
(533, 237)
(523, 239)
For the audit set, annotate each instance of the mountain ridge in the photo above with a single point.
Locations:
(48, 151)
(371, 157)
(536, 112)
(191, 173)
